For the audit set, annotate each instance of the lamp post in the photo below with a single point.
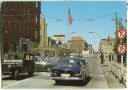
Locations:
(70, 34)
(97, 35)
(102, 56)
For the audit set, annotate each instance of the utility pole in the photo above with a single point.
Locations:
(118, 25)
(1, 45)
(116, 22)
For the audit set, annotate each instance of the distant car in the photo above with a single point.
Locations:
(46, 65)
(71, 69)
(39, 63)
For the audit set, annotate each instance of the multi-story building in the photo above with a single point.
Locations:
(21, 24)
(77, 44)
(59, 39)
(85, 52)
(43, 32)
(90, 49)
(106, 46)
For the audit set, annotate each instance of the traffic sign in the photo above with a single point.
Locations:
(121, 33)
(121, 49)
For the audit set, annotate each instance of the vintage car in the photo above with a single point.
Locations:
(15, 63)
(71, 69)
(45, 65)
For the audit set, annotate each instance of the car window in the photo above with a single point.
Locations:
(38, 59)
(70, 62)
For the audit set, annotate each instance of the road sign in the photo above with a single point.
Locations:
(121, 49)
(121, 33)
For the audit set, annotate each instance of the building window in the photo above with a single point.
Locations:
(36, 34)
(36, 18)
(36, 4)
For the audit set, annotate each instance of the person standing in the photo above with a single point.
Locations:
(102, 58)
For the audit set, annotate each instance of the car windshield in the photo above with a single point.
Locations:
(70, 63)
(13, 56)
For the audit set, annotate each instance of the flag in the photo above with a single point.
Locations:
(70, 17)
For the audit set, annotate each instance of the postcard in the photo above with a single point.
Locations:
(66, 44)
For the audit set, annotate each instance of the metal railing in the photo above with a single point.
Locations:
(119, 71)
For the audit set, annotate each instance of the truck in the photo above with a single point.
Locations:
(15, 63)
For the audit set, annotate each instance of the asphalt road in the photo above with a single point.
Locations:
(42, 79)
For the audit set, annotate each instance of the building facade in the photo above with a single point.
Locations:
(21, 25)
(43, 32)
(106, 47)
(77, 44)
(59, 39)
(85, 52)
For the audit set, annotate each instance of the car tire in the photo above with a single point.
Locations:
(16, 76)
(57, 81)
(82, 82)
(30, 70)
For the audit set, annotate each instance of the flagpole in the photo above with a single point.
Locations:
(68, 22)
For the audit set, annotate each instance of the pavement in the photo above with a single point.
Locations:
(100, 78)
(113, 82)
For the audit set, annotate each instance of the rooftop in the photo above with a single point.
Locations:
(77, 38)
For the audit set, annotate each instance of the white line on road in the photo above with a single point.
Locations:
(16, 83)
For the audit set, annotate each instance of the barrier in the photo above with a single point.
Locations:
(119, 71)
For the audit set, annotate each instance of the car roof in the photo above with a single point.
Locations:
(73, 59)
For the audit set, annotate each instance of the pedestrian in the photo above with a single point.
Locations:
(102, 58)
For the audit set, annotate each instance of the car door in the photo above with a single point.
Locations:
(83, 68)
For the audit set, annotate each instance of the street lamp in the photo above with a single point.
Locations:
(96, 34)
(102, 60)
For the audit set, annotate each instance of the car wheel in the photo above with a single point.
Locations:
(82, 82)
(30, 70)
(16, 76)
(57, 81)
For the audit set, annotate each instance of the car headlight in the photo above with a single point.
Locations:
(53, 74)
(9, 66)
(44, 63)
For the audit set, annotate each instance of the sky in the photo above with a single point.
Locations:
(102, 16)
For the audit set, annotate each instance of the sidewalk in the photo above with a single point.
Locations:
(112, 81)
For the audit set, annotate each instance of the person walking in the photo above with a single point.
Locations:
(102, 58)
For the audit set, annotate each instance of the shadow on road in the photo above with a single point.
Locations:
(73, 83)
(21, 77)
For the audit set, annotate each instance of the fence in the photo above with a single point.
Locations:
(119, 71)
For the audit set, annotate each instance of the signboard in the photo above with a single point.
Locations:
(121, 49)
(121, 33)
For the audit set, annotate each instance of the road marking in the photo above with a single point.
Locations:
(16, 83)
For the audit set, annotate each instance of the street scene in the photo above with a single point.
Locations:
(63, 44)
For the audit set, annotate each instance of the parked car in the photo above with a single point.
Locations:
(15, 63)
(45, 65)
(39, 63)
(71, 69)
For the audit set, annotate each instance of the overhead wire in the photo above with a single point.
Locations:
(61, 19)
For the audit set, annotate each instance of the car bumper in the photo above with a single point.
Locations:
(67, 78)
